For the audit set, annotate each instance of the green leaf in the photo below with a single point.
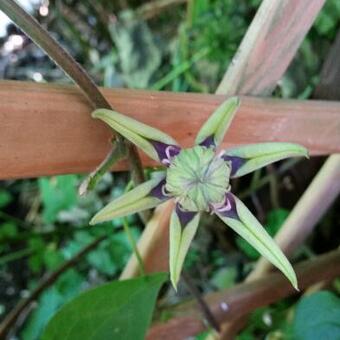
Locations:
(57, 194)
(248, 227)
(275, 220)
(317, 317)
(38, 247)
(224, 278)
(213, 130)
(67, 287)
(181, 235)
(48, 304)
(118, 310)
(248, 158)
(138, 199)
(8, 230)
(140, 134)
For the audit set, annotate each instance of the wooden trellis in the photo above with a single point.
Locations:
(46, 129)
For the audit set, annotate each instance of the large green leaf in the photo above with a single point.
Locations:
(318, 317)
(118, 310)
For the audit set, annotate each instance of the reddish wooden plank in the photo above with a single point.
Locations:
(47, 129)
(270, 44)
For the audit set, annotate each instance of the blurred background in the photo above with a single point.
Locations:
(173, 45)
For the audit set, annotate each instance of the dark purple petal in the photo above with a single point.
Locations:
(209, 142)
(165, 151)
(184, 216)
(236, 162)
(159, 191)
(228, 208)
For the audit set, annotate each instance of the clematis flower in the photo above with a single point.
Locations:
(198, 179)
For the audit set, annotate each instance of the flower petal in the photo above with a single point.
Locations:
(237, 216)
(156, 144)
(145, 196)
(247, 158)
(183, 226)
(213, 130)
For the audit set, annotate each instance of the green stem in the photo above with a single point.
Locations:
(266, 179)
(255, 179)
(89, 183)
(134, 246)
(173, 74)
(11, 218)
(15, 256)
(190, 13)
(130, 237)
(26, 235)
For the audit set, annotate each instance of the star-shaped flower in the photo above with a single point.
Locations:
(198, 180)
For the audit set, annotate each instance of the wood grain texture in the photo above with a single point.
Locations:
(47, 129)
(243, 298)
(270, 44)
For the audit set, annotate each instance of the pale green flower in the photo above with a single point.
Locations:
(198, 179)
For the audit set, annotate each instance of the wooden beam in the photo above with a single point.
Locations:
(47, 129)
(269, 45)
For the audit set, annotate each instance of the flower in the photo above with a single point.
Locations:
(198, 179)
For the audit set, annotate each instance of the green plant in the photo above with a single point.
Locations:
(205, 46)
(121, 309)
(198, 179)
(317, 317)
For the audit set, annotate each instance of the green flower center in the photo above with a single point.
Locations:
(197, 178)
